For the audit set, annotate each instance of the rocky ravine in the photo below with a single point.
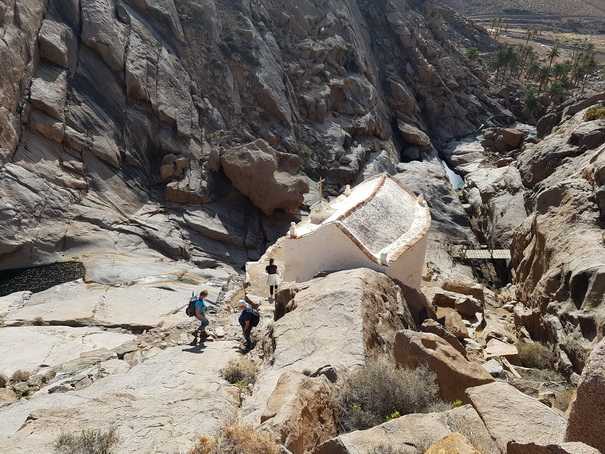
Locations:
(142, 122)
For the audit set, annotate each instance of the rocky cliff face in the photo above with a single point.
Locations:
(543, 199)
(127, 122)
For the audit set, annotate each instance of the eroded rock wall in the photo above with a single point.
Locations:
(558, 254)
(118, 112)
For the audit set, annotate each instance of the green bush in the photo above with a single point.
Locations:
(240, 371)
(594, 113)
(88, 442)
(378, 390)
(536, 355)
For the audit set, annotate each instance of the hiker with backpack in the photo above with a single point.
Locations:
(199, 310)
(248, 318)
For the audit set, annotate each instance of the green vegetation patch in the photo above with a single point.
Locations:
(594, 113)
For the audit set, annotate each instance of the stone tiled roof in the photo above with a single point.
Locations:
(381, 216)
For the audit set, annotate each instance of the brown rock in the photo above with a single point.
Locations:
(106, 149)
(454, 372)
(455, 443)
(496, 348)
(511, 415)
(455, 325)
(587, 416)
(46, 125)
(57, 43)
(360, 313)
(101, 32)
(501, 144)
(513, 137)
(431, 326)
(415, 136)
(590, 134)
(408, 433)
(301, 410)
(559, 448)
(465, 287)
(467, 306)
(7, 396)
(443, 298)
(265, 175)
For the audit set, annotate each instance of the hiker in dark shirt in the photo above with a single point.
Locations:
(245, 320)
(273, 278)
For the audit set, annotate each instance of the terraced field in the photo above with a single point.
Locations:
(569, 24)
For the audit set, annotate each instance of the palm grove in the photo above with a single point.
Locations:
(551, 77)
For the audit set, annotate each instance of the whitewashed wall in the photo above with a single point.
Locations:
(329, 249)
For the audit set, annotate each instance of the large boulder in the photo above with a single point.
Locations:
(454, 372)
(302, 411)
(410, 434)
(330, 323)
(265, 175)
(587, 415)
(511, 415)
(431, 326)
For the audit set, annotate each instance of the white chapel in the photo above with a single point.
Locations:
(378, 224)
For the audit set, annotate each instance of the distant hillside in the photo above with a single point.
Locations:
(567, 23)
(570, 8)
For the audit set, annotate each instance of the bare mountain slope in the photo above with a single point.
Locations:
(571, 8)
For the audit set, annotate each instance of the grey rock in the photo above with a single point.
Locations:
(586, 415)
(511, 415)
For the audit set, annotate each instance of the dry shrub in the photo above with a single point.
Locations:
(3, 380)
(88, 442)
(19, 376)
(374, 392)
(38, 321)
(536, 355)
(543, 375)
(236, 439)
(385, 449)
(241, 370)
(563, 398)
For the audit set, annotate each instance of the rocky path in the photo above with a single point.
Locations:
(86, 356)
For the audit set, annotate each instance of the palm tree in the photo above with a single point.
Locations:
(544, 74)
(472, 54)
(582, 65)
(554, 53)
(559, 70)
(555, 88)
(566, 81)
(530, 99)
(532, 69)
(499, 61)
